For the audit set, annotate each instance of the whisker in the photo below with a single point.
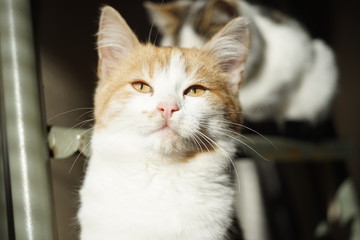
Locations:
(226, 155)
(196, 142)
(250, 129)
(208, 140)
(234, 133)
(150, 31)
(73, 164)
(78, 156)
(152, 27)
(90, 129)
(88, 112)
(69, 111)
(254, 131)
(245, 144)
(80, 124)
(222, 113)
(202, 142)
(91, 121)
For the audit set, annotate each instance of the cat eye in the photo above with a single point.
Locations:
(141, 87)
(195, 91)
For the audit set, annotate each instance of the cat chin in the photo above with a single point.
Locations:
(168, 142)
(166, 131)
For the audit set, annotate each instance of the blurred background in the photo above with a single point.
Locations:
(65, 40)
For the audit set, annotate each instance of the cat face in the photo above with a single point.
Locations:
(169, 100)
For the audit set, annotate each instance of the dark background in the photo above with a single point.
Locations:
(65, 38)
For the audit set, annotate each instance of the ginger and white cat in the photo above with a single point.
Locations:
(288, 75)
(166, 123)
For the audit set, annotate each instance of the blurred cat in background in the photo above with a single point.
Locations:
(288, 77)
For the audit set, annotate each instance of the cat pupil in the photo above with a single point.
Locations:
(195, 91)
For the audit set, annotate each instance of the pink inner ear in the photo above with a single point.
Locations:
(231, 65)
(115, 38)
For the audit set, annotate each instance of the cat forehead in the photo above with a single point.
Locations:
(172, 72)
(167, 63)
(173, 64)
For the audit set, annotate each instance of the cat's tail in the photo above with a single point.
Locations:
(313, 98)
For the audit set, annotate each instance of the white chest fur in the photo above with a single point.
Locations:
(146, 201)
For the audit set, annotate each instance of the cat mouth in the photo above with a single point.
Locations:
(166, 129)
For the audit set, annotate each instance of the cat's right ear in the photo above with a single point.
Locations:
(115, 40)
(167, 17)
(230, 47)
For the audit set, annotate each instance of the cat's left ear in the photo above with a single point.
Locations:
(230, 47)
(115, 40)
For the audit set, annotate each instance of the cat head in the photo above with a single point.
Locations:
(168, 99)
(187, 23)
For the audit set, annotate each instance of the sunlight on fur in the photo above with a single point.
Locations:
(167, 124)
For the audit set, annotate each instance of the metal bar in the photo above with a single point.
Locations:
(281, 149)
(64, 142)
(6, 226)
(26, 138)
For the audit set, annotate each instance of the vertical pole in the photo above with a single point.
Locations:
(27, 157)
(6, 229)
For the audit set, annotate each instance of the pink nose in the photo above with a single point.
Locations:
(168, 109)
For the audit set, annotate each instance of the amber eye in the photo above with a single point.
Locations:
(141, 87)
(195, 91)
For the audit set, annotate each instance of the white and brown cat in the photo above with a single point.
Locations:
(166, 121)
(288, 76)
